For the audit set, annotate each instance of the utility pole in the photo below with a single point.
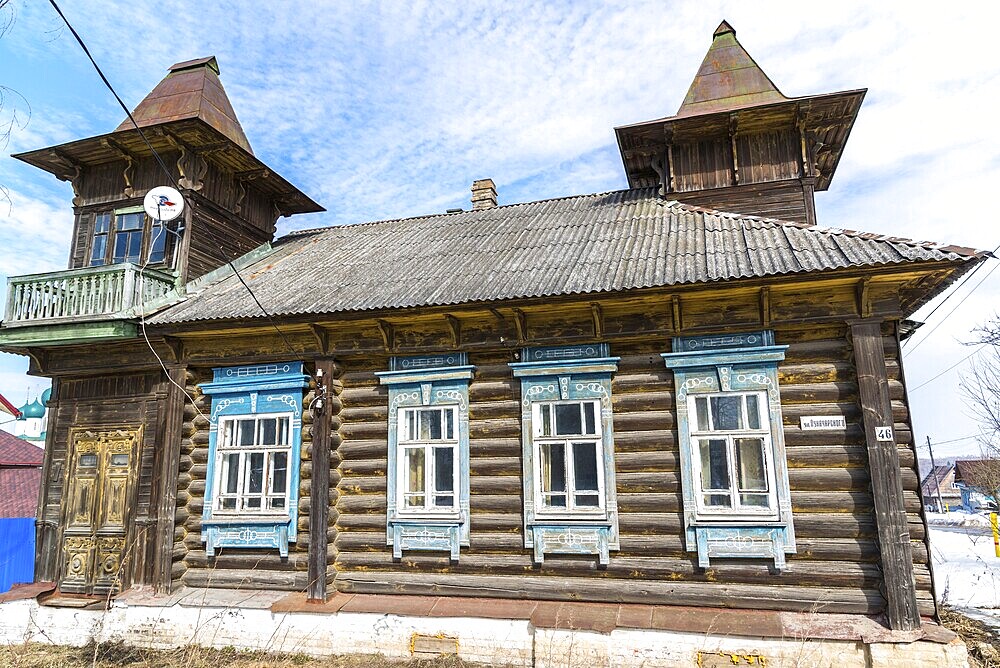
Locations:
(937, 483)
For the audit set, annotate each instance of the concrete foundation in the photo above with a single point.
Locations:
(490, 641)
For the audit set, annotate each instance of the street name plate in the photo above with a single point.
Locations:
(815, 422)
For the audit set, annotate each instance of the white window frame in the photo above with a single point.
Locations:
(223, 449)
(737, 510)
(570, 511)
(428, 446)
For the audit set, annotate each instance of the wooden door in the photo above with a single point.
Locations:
(96, 508)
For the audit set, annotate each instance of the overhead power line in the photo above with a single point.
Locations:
(932, 378)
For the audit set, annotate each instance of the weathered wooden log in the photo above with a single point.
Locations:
(245, 579)
(763, 597)
(241, 558)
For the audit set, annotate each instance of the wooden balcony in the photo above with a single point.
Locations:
(66, 306)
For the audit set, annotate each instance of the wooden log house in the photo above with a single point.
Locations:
(681, 393)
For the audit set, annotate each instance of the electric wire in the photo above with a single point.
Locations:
(932, 378)
(170, 178)
(961, 301)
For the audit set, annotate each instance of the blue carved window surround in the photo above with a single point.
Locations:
(566, 379)
(262, 512)
(423, 387)
(736, 376)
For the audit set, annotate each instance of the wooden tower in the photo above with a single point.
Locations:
(738, 144)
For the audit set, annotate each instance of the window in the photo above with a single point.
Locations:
(428, 439)
(569, 456)
(252, 482)
(732, 441)
(252, 465)
(127, 235)
(734, 477)
(427, 490)
(568, 450)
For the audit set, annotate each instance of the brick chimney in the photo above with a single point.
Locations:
(484, 194)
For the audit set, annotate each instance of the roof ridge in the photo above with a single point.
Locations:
(459, 213)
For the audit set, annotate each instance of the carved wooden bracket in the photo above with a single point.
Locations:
(675, 303)
(521, 323)
(765, 306)
(455, 327)
(176, 347)
(388, 334)
(864, 302)
(322, 337)
(241, 195)
(659, 165)
(39, 360)
(598, 317)
(192, 168)
(71, 171)
(130, 163)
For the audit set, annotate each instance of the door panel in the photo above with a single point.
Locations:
(96, 509)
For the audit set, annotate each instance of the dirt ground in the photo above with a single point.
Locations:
(984, 645)
(35, 655)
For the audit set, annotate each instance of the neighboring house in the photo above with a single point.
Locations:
(939, 491)
(973, 497)
(20, 478)
(684, 393)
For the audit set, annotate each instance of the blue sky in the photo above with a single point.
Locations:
(382, 110)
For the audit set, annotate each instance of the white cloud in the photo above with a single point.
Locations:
(388, 109)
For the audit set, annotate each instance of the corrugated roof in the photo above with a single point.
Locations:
(590, 243)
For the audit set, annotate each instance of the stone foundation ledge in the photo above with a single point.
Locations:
(260, 624)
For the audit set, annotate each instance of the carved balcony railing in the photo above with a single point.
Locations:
(112, 292)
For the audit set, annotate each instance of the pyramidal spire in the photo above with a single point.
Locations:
(728, 79)
(191, 89)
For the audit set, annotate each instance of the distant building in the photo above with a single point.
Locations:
(20, 478)
(973, 498)
(938, 490)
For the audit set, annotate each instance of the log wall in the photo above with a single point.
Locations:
(836, 568)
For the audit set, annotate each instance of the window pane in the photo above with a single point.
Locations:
(102, 223)
(158, 244)
(229, 504)
(254, 503)
(585, 466)
(758, 500)
(227, 433)
(246, 429)
(587, 500)
(97, 253)
(590, 417)
(545, 412)
(444, 501)
(121, 248)
(568, 419)
(410, 428)
(131, 221)
(255, 474)
(718, 500)
(714, 464)
(283, 426)
(553, 474)
(750, 464)
(701, 408)
(231, 474)
(449, 424)
(726, 413)
(277, 504)
(753, 412)
(414, 471)
(134, 246)
(279, 472)
(268, 431)
(444, 472)
(430, 425)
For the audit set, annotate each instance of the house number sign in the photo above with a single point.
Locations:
(883, 434)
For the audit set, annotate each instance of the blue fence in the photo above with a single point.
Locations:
(17, 551)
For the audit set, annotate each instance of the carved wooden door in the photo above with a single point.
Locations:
(100, 475)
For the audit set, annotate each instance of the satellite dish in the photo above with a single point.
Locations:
(163, 203)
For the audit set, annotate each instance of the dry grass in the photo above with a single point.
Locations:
(983, 644)
(108, 655)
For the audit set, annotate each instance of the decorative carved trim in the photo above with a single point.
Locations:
(675, 303)
(863, 297)
(521, 323)
(322, 337)
(72, 171)
(765, 306)
(175, 346)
